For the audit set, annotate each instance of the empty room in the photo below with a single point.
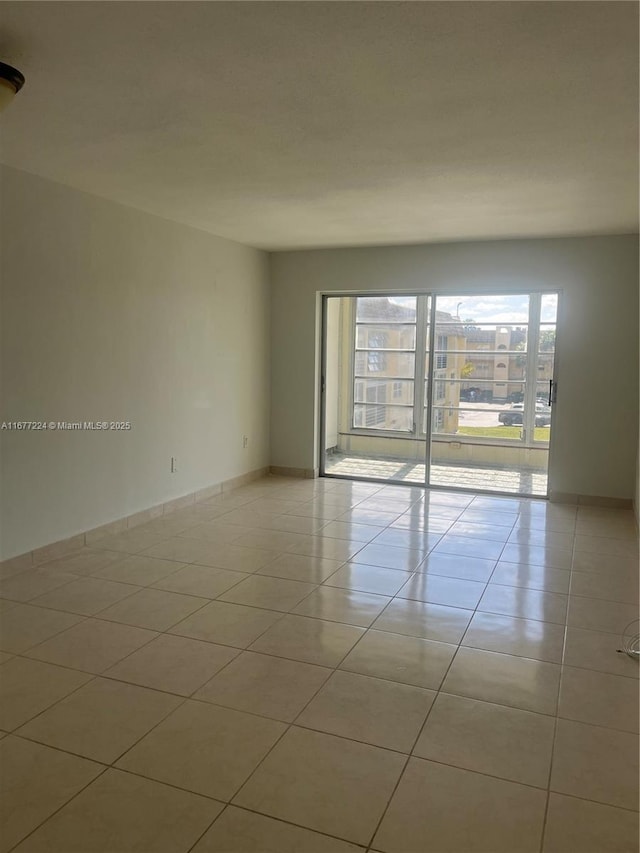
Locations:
(319, 440)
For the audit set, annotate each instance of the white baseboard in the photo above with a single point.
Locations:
(54, 550)
(590, 500)
(306, 473)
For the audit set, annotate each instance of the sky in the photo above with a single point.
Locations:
(499, 308)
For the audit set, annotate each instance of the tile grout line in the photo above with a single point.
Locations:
(555, 723)
(319, 731)
(60, 808)
(335, 669)
(409, 756)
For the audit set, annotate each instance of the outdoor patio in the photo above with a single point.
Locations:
(455, 476)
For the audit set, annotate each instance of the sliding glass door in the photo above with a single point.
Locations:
(376, 386)
(449, 391)
(493, 392)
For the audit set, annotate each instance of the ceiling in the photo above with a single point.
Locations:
(301, 124)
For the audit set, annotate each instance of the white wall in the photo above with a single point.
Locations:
(596, 416)
(636, 501)
(637, 494)
(112, 314)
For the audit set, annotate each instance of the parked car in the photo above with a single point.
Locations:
(476, 395)
(470, 395)
(514, 415)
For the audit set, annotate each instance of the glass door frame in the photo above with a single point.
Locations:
(424, 378)
(530, 380)
(416, 433)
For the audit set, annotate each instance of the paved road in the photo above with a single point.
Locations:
(476, 414)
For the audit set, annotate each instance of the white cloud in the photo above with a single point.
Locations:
(493, 309)
(501, 308)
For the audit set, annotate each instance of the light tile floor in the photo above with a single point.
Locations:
(322, 667)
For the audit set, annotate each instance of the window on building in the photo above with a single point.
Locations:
(377, 360)
(370, 410)
(441, 357)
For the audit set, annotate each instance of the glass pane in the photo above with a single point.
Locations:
(398, 392)
(370, 416)
(543, 409)
(452, 421)
(517, 412)
(542, 392)
(543, 413)
(386, 309)
(547, 338)
(398, 336)
(480, 338)
(477, 395)
(549, 308)
(545, 367)
(473, 368)
(479, 403)
(510, 309)
(382, 363)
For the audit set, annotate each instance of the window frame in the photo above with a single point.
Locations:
(420, 324)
